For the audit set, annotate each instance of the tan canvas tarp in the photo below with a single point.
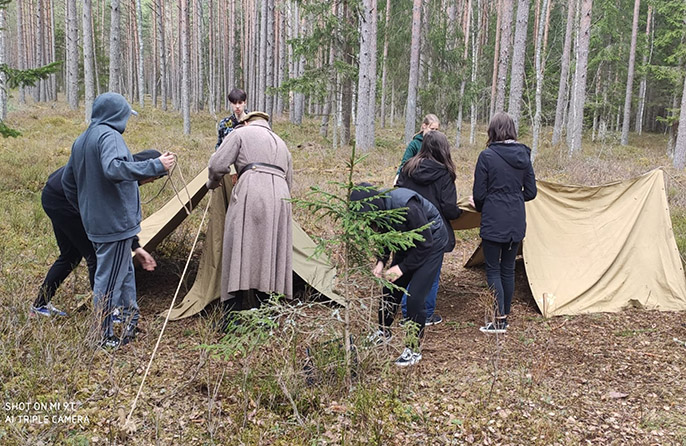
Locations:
(317, 272)
(598, 249)
(604, 248)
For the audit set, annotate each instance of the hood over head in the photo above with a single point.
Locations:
(428, 171)
(357, 195)
(111, 109)
(515, 154)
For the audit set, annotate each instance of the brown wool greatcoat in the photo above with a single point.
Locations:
(258, 242)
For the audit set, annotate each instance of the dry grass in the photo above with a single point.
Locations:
(598, 379)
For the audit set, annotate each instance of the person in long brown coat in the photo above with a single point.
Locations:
(258, 242)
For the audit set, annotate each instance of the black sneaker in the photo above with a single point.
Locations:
(434, 319)
(110, 343)
(408, 358)
(494, 327)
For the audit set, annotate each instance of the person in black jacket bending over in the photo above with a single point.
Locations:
(431, 173)
(503, 180)
(418, 264)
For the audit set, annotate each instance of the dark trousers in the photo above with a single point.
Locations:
(74, 245)
(422, 281)
(500, 269)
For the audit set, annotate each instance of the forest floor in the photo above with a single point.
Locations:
(588, 379)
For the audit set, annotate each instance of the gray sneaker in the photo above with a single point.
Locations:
(434, 319)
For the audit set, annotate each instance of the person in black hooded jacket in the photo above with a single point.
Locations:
(503, 180)
(431, 173)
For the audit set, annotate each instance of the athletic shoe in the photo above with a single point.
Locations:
(408, 358)
(116, 316)
(380, 337)
(492, 327)
(435, 319)
(130, 335)
(110, 343)
(47, 310)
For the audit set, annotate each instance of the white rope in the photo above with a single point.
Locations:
(166, 319)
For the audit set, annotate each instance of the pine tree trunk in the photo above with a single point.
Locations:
(576, 114)
(185, 68)
(141, 74)
(644, 79)
(52, 79)
(411, 107)
(283, 54)
(260, 98)
(129, 56)
(518, 59)
(680, 145)
(115, 52)
(40, 49)
(366, 86)
(539, 80)
(564, 74)
(88, 58)
(630, 76)
(384, 61)
(21, 54)
(496, 53)
(476, 40)
(269, 97)
(3, 78)
(504, 57)
(162, 50)
(346, 100)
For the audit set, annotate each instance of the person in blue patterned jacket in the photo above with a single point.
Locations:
(237, 98)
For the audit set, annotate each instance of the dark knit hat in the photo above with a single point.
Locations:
(149, 154)
(146, 155)
(365, 194)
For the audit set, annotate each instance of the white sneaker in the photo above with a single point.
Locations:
(408, 357)
(380, 337)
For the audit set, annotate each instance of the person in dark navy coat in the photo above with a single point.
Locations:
(503, 180)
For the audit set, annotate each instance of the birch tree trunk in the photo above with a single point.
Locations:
(644, 79)
(115, 51)
(504, 57)
(564, 74)
(518, 59)
(538, 68)
(366, 85)
(21, 55)
(384, 61)
(576, 113)
(411, 107)
(185, 69)
(680, 146)
(630, 76)
(88, 58)
(141, 74)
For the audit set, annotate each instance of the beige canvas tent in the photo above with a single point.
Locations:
(600, 249)
(316, 271)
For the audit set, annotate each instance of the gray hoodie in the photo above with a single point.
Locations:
(101, 177)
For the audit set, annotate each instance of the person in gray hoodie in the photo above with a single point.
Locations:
(503, 180)
(101, 181)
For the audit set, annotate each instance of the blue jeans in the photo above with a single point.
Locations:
(430, 299)
(500, 270)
